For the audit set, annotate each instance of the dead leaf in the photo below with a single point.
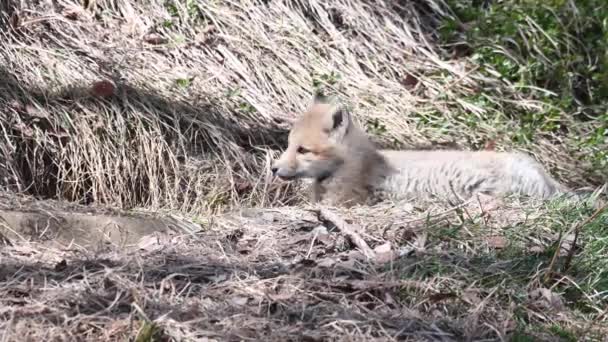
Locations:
(496, 241)
(320, 230)
(383, 258)
(383, 248)
(409, 81)
(155, 38)
(239, 300)
(148, 242)
(103, 88)
(546, 298)
(384, 253)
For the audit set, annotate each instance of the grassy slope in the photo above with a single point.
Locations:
(204, 93)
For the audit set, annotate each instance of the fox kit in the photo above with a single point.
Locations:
(326, 145)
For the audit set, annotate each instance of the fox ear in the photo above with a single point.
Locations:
(337, 118)
(341, 122)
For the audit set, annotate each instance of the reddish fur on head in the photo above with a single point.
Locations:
(327, 146)
(315, 143)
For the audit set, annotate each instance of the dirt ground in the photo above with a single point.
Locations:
(286, 274)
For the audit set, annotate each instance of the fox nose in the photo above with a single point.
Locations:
(281, 173)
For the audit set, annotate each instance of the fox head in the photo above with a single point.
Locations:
(316, 143)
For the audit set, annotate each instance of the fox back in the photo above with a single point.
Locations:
(462, 174)
(327, 146)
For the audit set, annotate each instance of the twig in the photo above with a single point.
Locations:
(348, 230)
(312, 243)
(577, 228)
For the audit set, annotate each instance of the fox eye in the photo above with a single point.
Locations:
(303, 150)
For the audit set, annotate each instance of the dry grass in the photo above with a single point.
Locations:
(201, 97)
(451, 274)
(204, 93)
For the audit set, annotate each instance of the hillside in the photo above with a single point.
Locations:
(113, 111)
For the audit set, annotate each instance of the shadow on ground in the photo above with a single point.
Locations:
(272, 275)
(191, 292)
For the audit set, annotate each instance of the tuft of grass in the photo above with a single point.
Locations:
(552, 55)
(149, 332)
